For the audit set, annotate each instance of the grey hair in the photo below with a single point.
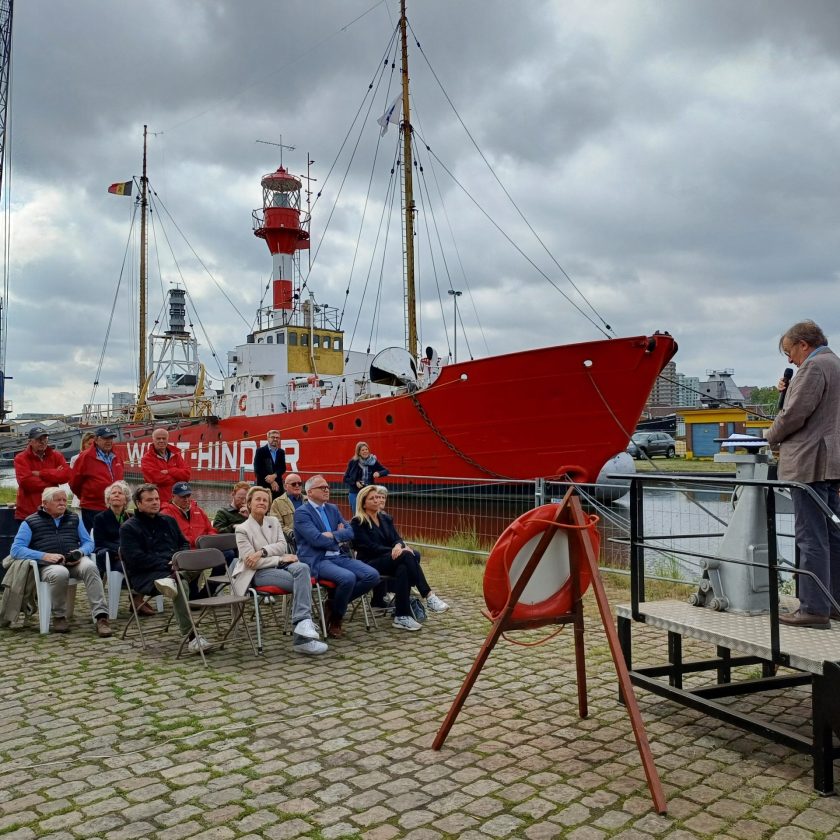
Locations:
(806, 331)
(311, 480)
(49, 492)
(121, 485)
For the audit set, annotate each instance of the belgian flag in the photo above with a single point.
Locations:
(121, 188)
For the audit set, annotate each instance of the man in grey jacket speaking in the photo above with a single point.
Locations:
(806, 432)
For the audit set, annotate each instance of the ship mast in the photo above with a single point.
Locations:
(410, 298)
(144, 245)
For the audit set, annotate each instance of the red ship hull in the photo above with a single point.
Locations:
(539, 413)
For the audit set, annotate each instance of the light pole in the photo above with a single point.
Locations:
(455, 295)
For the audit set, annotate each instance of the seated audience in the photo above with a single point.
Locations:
(264, 561)
(147, 542)
(163, 464)
(38, 467)
(227, 518)
(378, 543)
(106, 525)
(320, 532)
(284, 507)
(191, 519)
(58, 540)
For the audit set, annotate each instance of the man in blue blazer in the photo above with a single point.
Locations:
(270, 464)
(319, 532)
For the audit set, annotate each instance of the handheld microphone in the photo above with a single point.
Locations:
(786, 376)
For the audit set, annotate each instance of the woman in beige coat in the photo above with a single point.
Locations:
(263, 561)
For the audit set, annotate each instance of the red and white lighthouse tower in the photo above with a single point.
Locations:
(279, 223)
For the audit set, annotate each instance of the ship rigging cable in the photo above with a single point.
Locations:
(606, 329)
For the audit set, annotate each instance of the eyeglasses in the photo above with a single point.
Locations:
(293, 483)
(321, 487)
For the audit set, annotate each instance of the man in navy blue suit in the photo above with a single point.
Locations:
(270, 464)
(319, 531)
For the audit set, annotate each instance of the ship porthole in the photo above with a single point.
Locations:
(330, 425)
(358, 422)
(305, 429)
(588, 363)
(245, 434)
(388, 418)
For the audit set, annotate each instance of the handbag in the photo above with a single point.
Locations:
(418, 611)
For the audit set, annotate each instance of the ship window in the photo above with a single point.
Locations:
(388, 418)
(305, 428)
(304, 340)
(257, 384)
(330, 425)
(316, 340)
(338, 344)
(270, 340)
(292, 339)
(281, 338)
(358, 422)
(326, 342)
(260, 341)
(246, 434)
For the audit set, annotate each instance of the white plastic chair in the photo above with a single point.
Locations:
(44, 597)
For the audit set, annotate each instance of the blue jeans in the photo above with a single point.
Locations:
(352, 579)
(818, 540)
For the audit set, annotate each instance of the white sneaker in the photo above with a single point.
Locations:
(311, 648)
(307, 629)
(405, 622)
(435, 604)
(198, 644)
(167, 587)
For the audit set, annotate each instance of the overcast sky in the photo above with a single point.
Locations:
(679, 160)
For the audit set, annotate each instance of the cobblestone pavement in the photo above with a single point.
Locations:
(101, 739)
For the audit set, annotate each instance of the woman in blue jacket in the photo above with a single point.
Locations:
(362, 470)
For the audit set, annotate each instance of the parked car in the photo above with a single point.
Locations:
(648, 444)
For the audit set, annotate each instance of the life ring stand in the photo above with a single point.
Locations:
(514, 539)
(243, 402)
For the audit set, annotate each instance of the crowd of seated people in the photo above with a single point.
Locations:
(286, 541)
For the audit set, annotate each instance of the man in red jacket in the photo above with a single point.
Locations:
(191, 519)
(164, 465)
(39, 466)
(96, 468)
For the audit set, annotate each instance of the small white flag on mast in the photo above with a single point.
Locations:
(391, 115)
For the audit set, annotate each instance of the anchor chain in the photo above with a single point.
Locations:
(448, 443)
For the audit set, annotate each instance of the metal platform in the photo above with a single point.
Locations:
(814, 656)
(805, 650)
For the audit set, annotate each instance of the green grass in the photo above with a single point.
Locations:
(7, 495)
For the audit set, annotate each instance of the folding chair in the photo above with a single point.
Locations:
(224, 542)
(44, 598)
(135, 610)
(197, 560)
(367, 610)
(259, 593)
(114, 581)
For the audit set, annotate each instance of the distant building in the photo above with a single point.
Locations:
(665, 388)
(688, 391)
(720, 389)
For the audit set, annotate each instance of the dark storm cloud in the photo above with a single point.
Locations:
(678, 158)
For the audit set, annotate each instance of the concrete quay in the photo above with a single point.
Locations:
(101, 739)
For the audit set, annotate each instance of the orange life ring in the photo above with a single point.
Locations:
(243, 401)
(515, 545)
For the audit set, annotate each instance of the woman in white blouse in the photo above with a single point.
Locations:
(263, 561)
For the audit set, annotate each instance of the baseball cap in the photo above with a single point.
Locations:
(105, 431)
(181, 488)
(37, 432)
